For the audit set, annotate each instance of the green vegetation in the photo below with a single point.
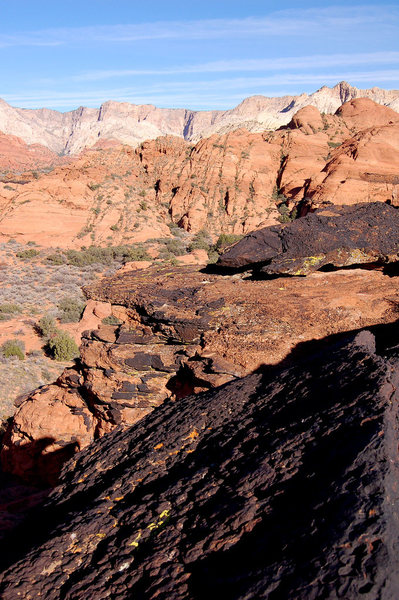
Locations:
(200, 241)
(286, 216)
(26, 254)
(173, 247)
(56, 259)
(334, 144)
(10, 308)
(96, 255)
(62, 346)
(71, 310)
(111, 320)
(46, 326)
(94, 186)
(226, 239)
(13, 347)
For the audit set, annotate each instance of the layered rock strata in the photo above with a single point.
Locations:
(231, 183)
(282, 484)
(183, 331)
(70, 132)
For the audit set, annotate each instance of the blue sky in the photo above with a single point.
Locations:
(203, 55)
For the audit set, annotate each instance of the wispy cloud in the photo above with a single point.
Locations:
(290, 22)
(250, 65)
(202, 93)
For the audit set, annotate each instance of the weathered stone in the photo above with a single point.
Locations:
(244, 323)
(339, 236)
(48, 428)
(280, 485)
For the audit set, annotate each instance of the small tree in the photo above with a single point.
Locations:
(46, 326)
(62, 346)
(71, 310)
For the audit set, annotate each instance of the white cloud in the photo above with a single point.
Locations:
(248, 65)
(301, 23)
(221, 93)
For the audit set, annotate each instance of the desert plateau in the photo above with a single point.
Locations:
(199, 302)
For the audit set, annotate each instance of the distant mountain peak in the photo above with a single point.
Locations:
(71, 132)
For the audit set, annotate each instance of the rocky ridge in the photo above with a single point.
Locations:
(272, 486)
(338, 236)
(182, 331)
(235, 183)
(71, 132)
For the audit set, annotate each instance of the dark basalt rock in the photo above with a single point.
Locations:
(339, 236)
(283, 484)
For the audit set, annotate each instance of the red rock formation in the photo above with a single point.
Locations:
(71, 132)
(184, 331)
(233, 182)
(282, 484)
(16, 155)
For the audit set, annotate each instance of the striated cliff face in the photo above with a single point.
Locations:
(235, 182)
(70, 132)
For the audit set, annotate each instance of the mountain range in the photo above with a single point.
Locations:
(69, 133)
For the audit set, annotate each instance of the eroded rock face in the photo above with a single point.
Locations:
(16, 155)
(339, 236)
(183, 332)
(282, 484)
(72, 131)
(231, 182)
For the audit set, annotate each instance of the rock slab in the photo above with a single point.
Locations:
(280, 485)
(337, 236)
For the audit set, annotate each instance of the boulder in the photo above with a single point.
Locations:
(282, 484)
(183, 331)
(337, 236)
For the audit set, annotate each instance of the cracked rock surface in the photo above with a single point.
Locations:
(183, 332)
(282, 484)
(338, 236)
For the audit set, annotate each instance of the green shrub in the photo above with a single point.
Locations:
(286, 216)
(26, 254)
(62, 346)
(226, 239)
(56, 259)
(71, 310)
(46, 326)
(174, 247)
(105, 256)
(13, 348)
(9, 308)
(111, 320)
(200, 241)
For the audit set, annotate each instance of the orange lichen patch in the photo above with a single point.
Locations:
(191, 436)
(158, 446)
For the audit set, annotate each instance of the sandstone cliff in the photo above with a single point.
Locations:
(232, 183)
(70, 132)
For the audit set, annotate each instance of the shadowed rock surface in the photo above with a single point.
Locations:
(283, 484)
(340, 236)
(183, 332)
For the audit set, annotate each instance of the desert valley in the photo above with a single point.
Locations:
(199, 349)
